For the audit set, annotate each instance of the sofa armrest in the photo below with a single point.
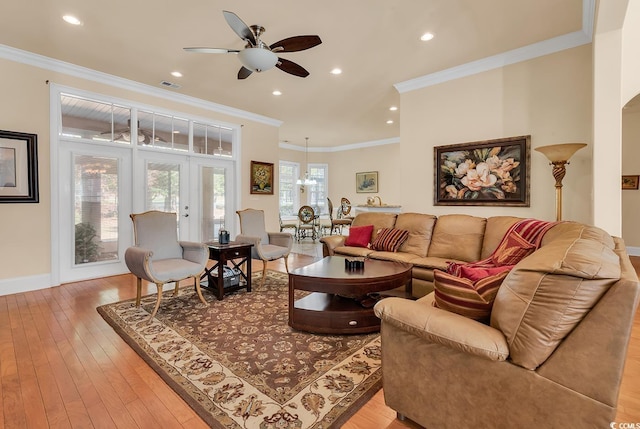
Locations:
(443, 327)
(331, 242)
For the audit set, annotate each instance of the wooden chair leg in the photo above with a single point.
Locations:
(139, 291)
(155, 310)
(175, 289)
(198, 290)
(264, 273)
(286, 263)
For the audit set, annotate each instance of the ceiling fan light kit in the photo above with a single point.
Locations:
(258, 56)
(258, 59)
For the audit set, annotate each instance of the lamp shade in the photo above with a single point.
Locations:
(560, 152)
(257, 59)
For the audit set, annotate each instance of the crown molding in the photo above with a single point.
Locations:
(40, 61)
(546, 47)
(354, 146)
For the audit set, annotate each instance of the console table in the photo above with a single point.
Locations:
(236, 253)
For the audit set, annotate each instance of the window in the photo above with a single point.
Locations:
(289, 201)
(317, 194)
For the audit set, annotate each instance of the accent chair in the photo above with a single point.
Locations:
(160, 258)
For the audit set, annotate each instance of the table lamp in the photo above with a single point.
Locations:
(559, 155)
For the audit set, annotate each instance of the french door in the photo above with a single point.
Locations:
(100, 187)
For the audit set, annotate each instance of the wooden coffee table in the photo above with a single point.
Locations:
(331, 309)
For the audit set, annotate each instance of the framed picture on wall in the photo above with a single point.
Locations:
(484, 173)
(367, 182)
(18, 167)
(630, 182)
(261, 178)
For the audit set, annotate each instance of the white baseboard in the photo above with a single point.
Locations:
(633, 251)
(24, 284)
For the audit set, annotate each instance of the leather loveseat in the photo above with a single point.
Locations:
(552, 354)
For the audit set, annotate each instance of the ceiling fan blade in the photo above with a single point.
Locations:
(291, 68)
(244, 73)
(295, 43)
(239, 27)
(201, 50)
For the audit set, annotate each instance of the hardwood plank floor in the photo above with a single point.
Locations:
(62, 366)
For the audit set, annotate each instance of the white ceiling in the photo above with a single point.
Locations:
(375, 43)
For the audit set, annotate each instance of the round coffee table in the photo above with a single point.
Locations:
(329, 308)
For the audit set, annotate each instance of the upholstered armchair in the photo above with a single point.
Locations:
(158, 257)
(267, 246)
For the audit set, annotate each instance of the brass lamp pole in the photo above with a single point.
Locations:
(558, 155)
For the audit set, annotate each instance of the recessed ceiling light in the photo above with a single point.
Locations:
(390, 121)
(336, 71)
(72, 20)
(276, 92)
(176, 74)
(426, 37)
(393, 108)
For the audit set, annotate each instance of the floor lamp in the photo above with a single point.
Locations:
(559, 155)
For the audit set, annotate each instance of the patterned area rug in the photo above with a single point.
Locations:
(238, 364)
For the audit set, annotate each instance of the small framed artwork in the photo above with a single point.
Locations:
(18, 167)
(367, 182)
(630, 182)
(261, 178)
(483, 173)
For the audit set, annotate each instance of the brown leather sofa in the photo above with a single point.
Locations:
(432, 242)
(551, 357)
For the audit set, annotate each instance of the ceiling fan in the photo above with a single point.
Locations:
(144, 136)
(256, 55)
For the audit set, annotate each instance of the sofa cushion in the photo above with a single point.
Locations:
(494, 232)
(420, 227)
(548, 293)
(512, 249)
(458, 237)
(389, 239)
(472, 299)
(378, 220)
(359, 236)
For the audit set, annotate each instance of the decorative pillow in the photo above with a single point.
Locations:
(359, 236)
(389, 239)
(478, 273)
(512, 249)
(466, 297)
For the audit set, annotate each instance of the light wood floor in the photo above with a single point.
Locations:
(62, 366)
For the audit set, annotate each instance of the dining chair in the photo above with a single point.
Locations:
(307, 226)
(337, 224)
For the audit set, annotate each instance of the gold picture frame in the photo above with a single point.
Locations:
(630, 182)
(367, 182)
(261, 178)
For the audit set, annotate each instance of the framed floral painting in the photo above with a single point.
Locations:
(484, 173)
(261, 178)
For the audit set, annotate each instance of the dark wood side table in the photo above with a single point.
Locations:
(236, 253)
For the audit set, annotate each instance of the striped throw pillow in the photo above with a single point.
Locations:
(389, 239)
(512, 249)
(466, 297)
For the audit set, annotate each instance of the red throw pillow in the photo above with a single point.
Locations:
(359, 236)
(389, 239)
(465, 297)
(512, 249)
